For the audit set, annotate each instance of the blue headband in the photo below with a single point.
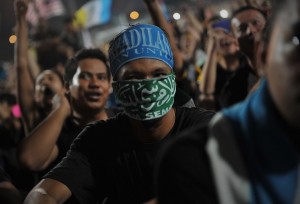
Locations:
(139, 41)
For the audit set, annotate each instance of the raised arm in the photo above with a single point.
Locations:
(48, 191)
(209, 75)
(39, 148)
(25, 82)
(159, 20)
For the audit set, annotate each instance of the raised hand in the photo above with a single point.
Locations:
(21, 7)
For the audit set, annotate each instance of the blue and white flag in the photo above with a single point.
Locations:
(95, 12)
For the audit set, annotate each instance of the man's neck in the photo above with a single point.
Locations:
(155, 130)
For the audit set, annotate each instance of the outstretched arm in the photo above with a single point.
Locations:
(39, 148)
(159, 20)
(209, 75)
(25, 82)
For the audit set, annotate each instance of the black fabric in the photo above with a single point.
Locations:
(182, 99)
(3, 175)
(234, 86)
(68, 133)
(10, 137)
(183, 172)
(106, 160)
(184, 82)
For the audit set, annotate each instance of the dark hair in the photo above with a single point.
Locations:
(72, 63)
(60, 76)
(246, 8)
(8, 98)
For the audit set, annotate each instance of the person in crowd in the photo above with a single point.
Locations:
(247, 25)
(264, 5)
(225, 78)
(65, 110)
(183, 48)
(114, 159)
(87, 84)
(9, 194)
(11, 133)
(35, 93)
(249, 153)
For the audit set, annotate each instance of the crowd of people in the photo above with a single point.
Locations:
(202, 111)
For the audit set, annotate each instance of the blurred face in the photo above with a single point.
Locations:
(249, 23)
(90, 85)
(283, 65)
(188, 44)
(227, 44)
(47, 84)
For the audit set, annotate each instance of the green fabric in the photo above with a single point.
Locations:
(146, 99)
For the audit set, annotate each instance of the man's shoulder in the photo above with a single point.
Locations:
(194, 115)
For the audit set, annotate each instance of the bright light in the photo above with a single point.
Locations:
(176, 16)
(134, 15)
(224, 13)
(12, 39)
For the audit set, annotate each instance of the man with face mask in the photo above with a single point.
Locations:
(114, 159)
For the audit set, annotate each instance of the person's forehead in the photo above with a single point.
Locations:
(246, 16)
(45, 74)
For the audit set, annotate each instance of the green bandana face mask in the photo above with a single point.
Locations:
(146, 99)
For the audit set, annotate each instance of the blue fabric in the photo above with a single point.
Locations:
(223, 24)
(271, 160)
(140, 41)
(106, 11)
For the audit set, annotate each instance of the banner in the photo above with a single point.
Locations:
(44, 9)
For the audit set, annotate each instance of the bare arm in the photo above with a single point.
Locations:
(196, 24)
(48, 191)
(159, 20)
(25, 83)
(39, 148)
(209, 74)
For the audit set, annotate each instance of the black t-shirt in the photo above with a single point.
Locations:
(68, 133)
(106, 160)
(3, 175)
(234, 86)
(183, 172)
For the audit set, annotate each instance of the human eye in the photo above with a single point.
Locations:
(159, 74)
(84, 75)
(102, 77)
(131, 76)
